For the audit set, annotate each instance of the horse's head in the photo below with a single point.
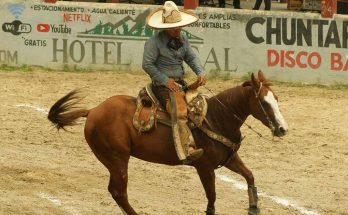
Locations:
(264, 105)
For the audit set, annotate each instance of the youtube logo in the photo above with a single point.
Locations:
(43, 27)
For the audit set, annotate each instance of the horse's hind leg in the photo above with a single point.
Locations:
(113, 151)
(237, 165)
(118, 186)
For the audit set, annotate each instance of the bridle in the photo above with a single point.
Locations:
(257, 96)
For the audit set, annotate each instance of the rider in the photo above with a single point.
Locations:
(163, 58)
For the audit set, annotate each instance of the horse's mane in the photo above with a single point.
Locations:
(265, 83)
(227, 97)
(237, 90)
(223, 109)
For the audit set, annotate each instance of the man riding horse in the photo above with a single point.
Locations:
(163, 58)
(113, 139)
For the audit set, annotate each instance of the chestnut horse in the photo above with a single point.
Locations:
(113, 139)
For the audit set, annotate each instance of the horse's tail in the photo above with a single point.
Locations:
(62, 114)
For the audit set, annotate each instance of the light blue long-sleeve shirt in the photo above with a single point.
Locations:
(162, 63)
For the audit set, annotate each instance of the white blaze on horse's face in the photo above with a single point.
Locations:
(270, 99)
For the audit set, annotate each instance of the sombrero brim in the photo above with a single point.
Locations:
(154, 20)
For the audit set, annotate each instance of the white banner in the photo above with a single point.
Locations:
(287, 46)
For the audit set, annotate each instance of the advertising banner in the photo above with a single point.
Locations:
(287, 46)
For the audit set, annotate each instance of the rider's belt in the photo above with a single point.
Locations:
(177, 80)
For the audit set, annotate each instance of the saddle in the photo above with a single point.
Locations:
(149, 111)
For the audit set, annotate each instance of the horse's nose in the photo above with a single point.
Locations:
(282, 130)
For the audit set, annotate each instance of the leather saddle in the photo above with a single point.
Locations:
(149, 111)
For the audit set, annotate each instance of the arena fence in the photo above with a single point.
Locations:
(287, 46)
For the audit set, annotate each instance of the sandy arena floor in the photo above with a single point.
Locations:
(46, 172)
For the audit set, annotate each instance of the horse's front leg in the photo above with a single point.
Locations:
(237, 165)
(207, 176)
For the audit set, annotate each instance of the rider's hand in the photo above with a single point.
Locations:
(172, 85)
(201, 80)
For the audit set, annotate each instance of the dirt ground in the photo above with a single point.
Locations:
(46, 172)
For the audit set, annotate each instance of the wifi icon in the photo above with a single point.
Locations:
(16, 9)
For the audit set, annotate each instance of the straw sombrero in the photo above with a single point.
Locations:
(170, 17)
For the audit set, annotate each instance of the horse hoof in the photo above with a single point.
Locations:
(253, 211)
(210, 211)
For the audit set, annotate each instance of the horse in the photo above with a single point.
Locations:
(113, 139)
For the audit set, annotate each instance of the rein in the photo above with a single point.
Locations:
(242, 121)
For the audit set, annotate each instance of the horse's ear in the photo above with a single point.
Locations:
(261, 76)
(254, 81)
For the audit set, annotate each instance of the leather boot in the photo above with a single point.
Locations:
(194, 154)
(188, 142)
(181, 132)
